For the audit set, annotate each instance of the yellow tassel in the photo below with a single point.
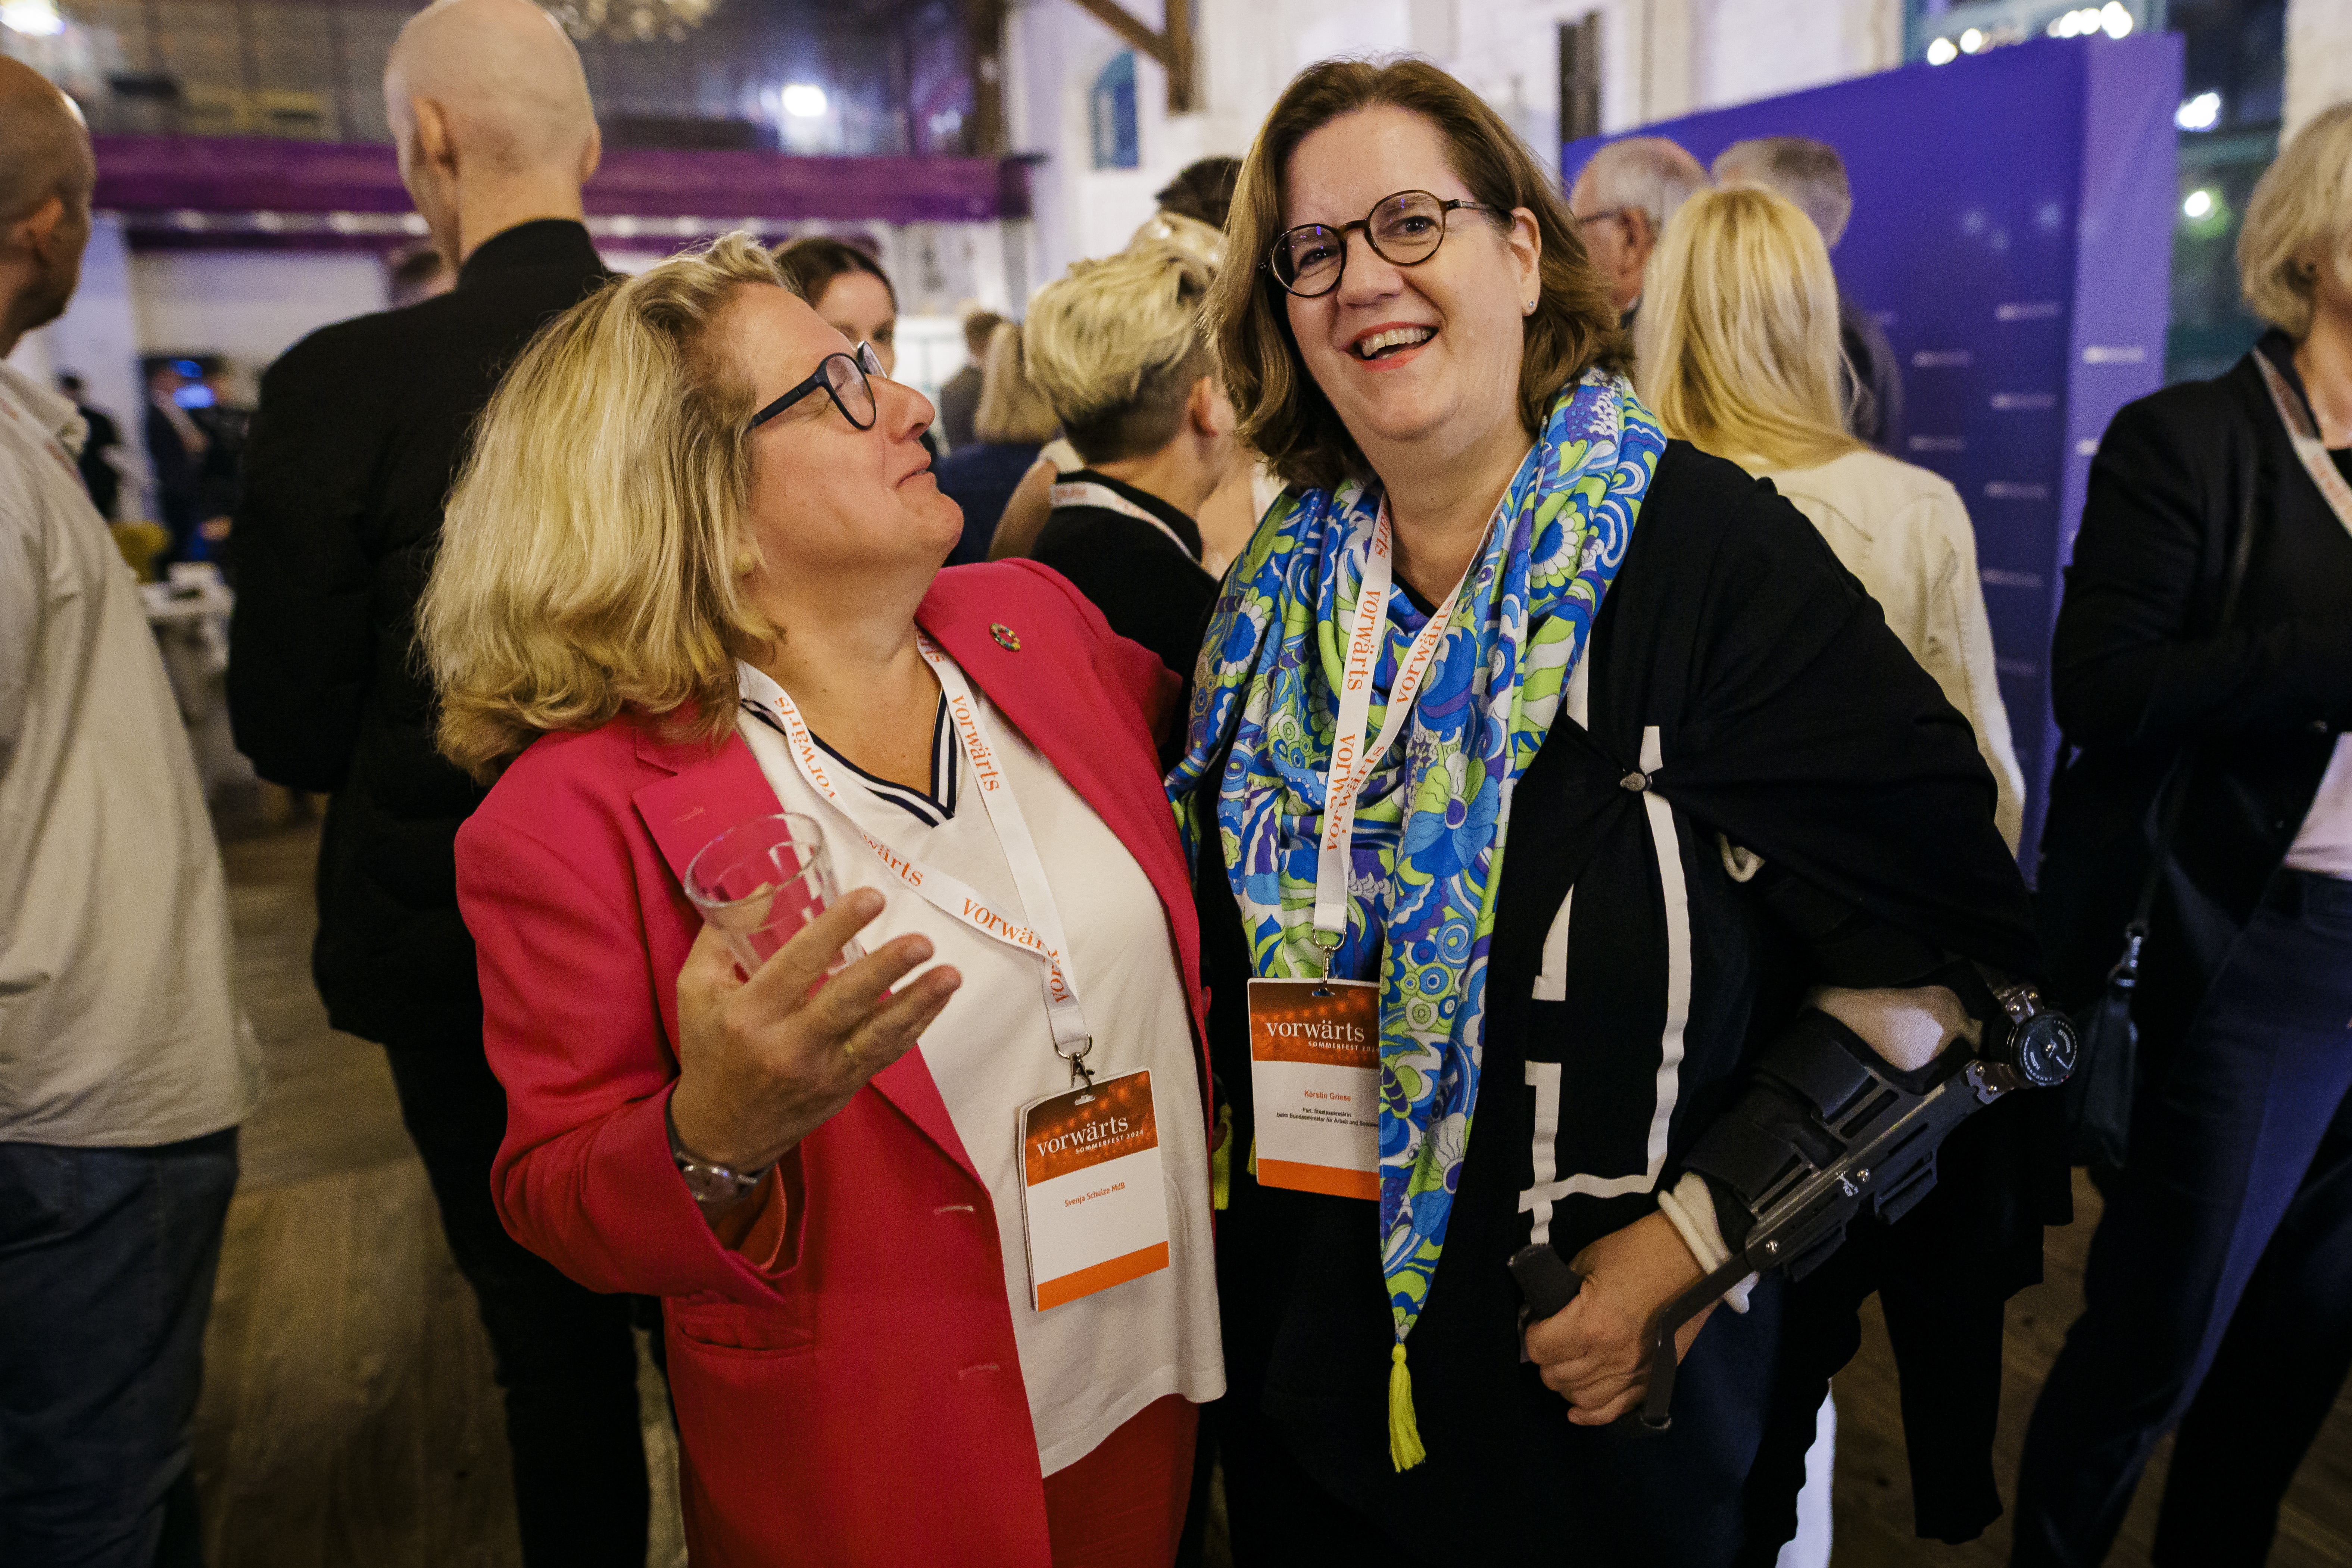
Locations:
(1221, 1161)
(1405, 1433)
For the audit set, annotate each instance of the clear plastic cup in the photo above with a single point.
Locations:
(760, 882)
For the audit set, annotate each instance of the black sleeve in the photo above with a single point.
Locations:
(2127, 667)
(301, 642)
(1133, 577)
(1812, 737)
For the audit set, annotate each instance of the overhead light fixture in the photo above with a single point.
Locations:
(1942, 52)
(34, 18)
(1971, 41)
(2201, 112)
(804, 100)
(2197, 204)
(2114, 20)
(630, 21)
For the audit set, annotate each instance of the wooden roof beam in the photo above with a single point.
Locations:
(1173, 48)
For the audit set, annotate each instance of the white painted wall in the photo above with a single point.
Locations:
(250, 306)
(98, 337)
(2319, 58)
(1661, 58)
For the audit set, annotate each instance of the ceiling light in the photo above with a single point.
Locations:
(38, 18)
(804, 101)
(1971, 41)
(2197, 203)
(2201, 112)
(2115, 19)
(1941, 52)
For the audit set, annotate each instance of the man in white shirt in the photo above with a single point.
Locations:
(124, 1064)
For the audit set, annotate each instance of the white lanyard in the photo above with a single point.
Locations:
(2308, 445)
(1085, 492)
(1352, 763)
(1039, 933)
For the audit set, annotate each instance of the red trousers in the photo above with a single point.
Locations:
(1122, 1506)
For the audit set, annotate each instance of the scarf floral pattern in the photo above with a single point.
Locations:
(1427, 856)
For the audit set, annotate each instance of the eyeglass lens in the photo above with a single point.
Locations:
(1405, 228)
(852, 387)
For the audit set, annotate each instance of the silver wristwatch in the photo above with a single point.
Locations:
(712, 1187)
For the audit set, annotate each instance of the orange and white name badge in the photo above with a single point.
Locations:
(1315, 1080)
(1094, 1207)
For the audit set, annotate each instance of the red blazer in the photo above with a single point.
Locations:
(859, 1399)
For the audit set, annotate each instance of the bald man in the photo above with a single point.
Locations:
(124, 1065)
(1621, 200)
(360, 429)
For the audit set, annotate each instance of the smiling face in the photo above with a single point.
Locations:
(828, 503)
(857, 306)
(1419, 360)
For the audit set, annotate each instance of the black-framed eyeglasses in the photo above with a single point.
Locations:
(1405, 230)
(847, 378)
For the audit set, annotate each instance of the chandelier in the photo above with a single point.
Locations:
(630, 21)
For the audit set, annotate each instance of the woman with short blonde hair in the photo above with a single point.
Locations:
(2203, 676)
(1479, 706)
(689, 584)
(1116, 346)
(1737, 341)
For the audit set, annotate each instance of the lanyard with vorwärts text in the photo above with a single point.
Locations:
(1315, 1045)
(1039, 932)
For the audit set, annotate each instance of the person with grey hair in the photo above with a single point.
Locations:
(125, 1066)
(1621, 200)
(2202, 825)
(1812, 176)
(360, 428)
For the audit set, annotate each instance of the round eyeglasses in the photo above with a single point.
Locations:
(1404, 229)
(847, 378)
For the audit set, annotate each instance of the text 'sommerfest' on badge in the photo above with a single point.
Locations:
(1315, 1078)
(1095, 1207)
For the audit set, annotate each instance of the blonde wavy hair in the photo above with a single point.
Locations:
(592, 553)
(1115, 345)
(1736, 347)
(2302, 201)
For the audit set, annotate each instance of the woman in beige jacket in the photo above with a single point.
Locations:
(1737, 341)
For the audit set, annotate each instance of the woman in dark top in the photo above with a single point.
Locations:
(1013, 421)
(1116, 347)
(1647, 671)
(2219, 1292)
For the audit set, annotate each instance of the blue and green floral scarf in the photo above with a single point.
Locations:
(1428, 852)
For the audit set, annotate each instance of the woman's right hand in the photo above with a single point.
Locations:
(764, 1062)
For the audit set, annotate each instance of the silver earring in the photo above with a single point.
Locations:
(1530, 310)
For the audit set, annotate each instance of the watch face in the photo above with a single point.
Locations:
(2046, 1050)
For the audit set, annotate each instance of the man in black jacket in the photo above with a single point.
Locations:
(360, 431)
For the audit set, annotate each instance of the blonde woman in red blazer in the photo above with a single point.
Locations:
(690, 577)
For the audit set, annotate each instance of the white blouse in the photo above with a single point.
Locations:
(1089, 1365)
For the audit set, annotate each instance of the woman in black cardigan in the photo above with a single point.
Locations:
(2219, 1285)
(1522, 616)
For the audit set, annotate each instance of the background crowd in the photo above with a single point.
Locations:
(549, 572)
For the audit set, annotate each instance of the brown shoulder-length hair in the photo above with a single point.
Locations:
(1282, 413)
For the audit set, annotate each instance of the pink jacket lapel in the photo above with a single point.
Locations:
(707, 793)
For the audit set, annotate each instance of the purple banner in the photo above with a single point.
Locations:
(2013, 231)
(161, 174)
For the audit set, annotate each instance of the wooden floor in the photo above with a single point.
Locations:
(349, 1416)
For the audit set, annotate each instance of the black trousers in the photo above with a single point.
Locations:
(2219, 1292)
(564, 1354)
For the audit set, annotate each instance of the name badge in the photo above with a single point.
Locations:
(1315, 1080)
(1094, 1207)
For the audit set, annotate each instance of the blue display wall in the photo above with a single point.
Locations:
(2012, 230)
